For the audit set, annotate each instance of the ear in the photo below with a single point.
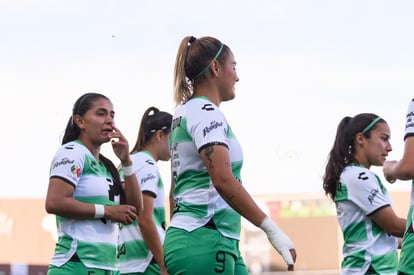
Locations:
(360, 139)
(78, 120)
(215, 67)
(159, 135)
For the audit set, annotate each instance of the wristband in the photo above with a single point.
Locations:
(278, 239)
(129, 170)
(99, 211)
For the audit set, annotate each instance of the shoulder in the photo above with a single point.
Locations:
(72, 149)
(354, 175)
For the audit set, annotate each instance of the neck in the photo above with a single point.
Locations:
(209, 91)
(152, 151)
(94, 149)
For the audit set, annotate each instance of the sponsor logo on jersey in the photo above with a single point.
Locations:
(362, 176)
(69, 146)
(213, 126)
(63, 161)
(150, 161)
(371, 197)
(208, 107)
(176, 122)
(410, 122)
(76, 171)
(147, 178)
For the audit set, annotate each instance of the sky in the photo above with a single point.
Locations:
(303, 65)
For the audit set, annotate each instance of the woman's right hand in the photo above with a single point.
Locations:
(123, 213)
(387, 168)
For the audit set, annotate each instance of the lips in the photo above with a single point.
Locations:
(107, 131)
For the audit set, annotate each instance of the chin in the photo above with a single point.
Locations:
(230, 97)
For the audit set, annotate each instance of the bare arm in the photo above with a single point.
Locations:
(389, 221)
(404, 168)
(59, 201)
(149, 231)
(217, 161)
(171, 198)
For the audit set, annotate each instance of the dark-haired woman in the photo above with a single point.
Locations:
(85, 191)
(203, 237)
(140, 248)
(369, 224)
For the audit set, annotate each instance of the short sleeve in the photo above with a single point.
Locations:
(409, 126)
(209, 129)
(67, 164)
(366, 192)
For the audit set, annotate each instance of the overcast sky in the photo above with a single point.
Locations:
(303, 65)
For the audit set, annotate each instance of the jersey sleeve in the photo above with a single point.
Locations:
(148, 177)
(67, 164)
(365, 191)
(210, 128)
(409, 126)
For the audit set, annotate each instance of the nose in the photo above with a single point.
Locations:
(389, 147)
(110, 120)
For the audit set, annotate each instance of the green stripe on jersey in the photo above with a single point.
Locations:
(180, 134)
(193, 180)
(354, 260)
(342, 193)
(355, 232)
(190, 209)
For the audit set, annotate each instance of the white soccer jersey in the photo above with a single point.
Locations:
(365, 243)
(135, 255)
(94, 240)
(406, 263)
(196, 124)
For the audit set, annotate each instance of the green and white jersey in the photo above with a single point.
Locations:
(197, 124)
(365, 243)
(406, 264)
(95, 240)
(134, 254)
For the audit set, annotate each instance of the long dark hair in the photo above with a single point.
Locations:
(343, 150)
(152, 120)
(72, 132)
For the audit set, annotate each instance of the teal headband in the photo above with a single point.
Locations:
(366, 129)
(208, 66)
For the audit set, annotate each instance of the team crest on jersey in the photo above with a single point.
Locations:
(93, 165)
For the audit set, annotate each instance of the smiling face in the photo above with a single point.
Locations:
(96, 124)
(375, 149)
(228, 78)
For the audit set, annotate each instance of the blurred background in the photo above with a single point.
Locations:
(303, 66)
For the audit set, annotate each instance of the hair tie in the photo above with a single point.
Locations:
(192, 39)
(366, 129)
(208, 65)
